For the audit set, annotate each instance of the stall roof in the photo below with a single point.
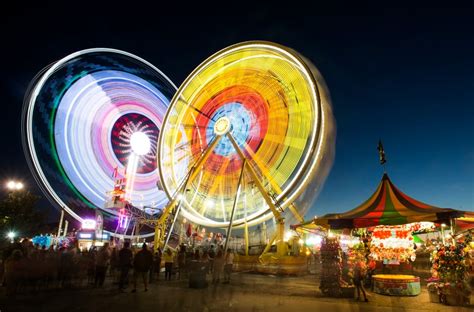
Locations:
(388, 206)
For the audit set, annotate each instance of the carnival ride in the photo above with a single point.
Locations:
(90, 126)
(249, 136)
(246, 134)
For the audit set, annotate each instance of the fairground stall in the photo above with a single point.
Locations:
(380, 234)
(452, 265)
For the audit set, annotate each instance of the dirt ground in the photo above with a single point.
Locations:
(246, 292)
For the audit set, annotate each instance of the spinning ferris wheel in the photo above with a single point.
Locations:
(248, 134)
(90, 127)
(244, 136)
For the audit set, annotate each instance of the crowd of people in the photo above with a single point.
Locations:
(28, 267)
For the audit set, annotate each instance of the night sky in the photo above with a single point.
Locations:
(403, 75)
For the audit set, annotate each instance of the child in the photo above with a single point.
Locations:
(358, 280)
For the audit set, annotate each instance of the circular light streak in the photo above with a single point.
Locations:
(275, 105)
(79, 121)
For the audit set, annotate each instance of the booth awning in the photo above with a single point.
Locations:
(388, 206)
(464, 224)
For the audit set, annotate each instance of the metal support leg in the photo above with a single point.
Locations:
(282, 248)
(246, 235)
(193, 172)
(236, 199)
(270, 243)
(279, 237)
(172, 225)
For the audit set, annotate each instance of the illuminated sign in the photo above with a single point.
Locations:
(85, 235)
(92, 236)
(88, 224)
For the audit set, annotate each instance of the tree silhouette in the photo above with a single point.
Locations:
(18, 213)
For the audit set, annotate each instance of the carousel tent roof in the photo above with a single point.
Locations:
(388, 206)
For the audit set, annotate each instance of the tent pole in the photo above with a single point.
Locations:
(451, 221)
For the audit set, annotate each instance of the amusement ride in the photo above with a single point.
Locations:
(247, 137)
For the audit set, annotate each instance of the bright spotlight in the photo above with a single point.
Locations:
(19, 186)
(11, 185)
(140, 143)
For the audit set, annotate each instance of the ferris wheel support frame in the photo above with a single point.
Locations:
(278, 237)
(175, 201)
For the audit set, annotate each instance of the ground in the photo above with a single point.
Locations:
(246, 292)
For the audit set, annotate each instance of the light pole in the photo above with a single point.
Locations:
(13, 186)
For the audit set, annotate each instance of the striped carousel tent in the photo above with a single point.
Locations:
(387, 206)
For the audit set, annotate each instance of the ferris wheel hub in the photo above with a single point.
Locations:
(140, 143)
(222, 126)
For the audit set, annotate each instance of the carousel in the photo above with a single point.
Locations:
(384, 226)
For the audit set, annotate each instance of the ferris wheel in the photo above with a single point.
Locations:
(90, 127)
(245, 135)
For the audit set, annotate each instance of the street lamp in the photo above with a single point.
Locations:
(11, 235)
(13, 185)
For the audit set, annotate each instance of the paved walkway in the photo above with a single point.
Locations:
(247, 292)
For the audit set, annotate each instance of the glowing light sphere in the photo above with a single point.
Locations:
(276, 106)
(83, 118)
(14, 185)
(140, 143)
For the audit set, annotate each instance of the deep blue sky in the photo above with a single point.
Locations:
(404, 75)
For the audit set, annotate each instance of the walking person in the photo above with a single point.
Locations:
(157, 263)
(168, 257)
(358, 280)
(102, 261)
(181, 260)
(219, 262)
(14, 265)
(141, 265)
(229, 263)
(211, 254)
(114, 265)
(125, 258)
(90, 265)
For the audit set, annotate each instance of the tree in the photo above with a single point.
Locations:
(18, 213)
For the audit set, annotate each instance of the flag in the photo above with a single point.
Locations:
(381, 153)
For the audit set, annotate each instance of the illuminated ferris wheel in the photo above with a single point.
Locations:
(90, 127)
(245, 136)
